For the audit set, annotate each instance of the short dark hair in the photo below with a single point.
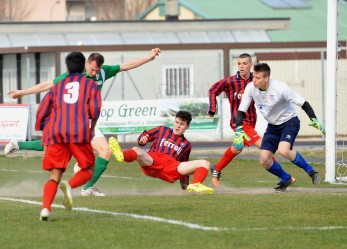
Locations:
(262, 67)
(245, 55)
(185, 116)
(98, 58)
(75, 62)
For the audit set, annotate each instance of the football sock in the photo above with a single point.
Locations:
(129, 155)
(80, 178)
(302, 163)
(225, 160)
(49, 192)
(277, 170)
(200, 175)
(31, 145)
(100, 167)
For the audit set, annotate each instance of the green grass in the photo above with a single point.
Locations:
(243, 213)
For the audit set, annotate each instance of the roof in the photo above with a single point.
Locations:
(137, 32)
(306, 23)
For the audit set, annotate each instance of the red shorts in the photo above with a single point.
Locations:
(164, 167)
(57, 156)
(253, 135)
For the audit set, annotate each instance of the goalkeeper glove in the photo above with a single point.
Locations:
(315, 123)
(239, 136)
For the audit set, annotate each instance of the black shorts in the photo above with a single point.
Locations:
(275, 134)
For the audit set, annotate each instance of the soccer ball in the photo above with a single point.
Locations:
(76, 168)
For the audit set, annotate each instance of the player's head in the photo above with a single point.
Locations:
(244, 65)
(75, 62)
(94, 63)
(182, 121)
(261, 75)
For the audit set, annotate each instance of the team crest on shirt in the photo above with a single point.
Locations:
(182, 144)
(272, 97)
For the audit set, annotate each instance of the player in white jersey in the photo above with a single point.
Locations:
(274, 100)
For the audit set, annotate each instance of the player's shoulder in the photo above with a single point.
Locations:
(277, 84)
(108, 67)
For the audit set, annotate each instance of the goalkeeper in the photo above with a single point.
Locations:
(274, 100)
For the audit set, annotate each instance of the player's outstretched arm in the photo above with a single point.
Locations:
(314, 121)
(139, 62)
(41, 87)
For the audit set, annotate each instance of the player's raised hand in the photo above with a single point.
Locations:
(239, 136)
(144, 140)
(315, 123)
(154, 52)
(15, 94)
(211, 114)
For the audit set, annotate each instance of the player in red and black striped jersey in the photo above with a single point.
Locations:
(234, 87)
(64, 116)
(164, 140)
(75, 96)
(168, 157)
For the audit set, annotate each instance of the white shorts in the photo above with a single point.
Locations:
(97, 132)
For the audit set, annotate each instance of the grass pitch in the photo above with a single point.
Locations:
(143, 212)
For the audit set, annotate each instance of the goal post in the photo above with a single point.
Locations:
(330, 101)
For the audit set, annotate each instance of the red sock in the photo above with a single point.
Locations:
(49, 192)
(200, 175)
(129, 155)
(80, 178)
(225, 160)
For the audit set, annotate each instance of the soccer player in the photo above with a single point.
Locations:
(274, 100)
(65, 137)
(95, 70)
(168, 156)
(234, 86)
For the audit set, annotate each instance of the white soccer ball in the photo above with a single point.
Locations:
(76, 168)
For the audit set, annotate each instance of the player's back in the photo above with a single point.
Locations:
(74, 100)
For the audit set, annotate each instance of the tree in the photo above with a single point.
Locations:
(15, 10)
(119, 9)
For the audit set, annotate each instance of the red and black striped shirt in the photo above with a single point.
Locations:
(233, 86)
(165, 141)
(64, 112)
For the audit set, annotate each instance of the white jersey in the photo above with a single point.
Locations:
(274, 103)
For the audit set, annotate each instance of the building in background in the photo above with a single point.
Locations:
(71, 10)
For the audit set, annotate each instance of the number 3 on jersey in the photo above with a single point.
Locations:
(72, 92)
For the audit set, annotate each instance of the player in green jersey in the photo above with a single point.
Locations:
(94, 69)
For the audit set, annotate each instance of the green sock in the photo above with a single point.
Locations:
(31, 145)
(100, 167)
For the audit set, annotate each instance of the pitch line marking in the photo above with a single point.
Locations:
(182, 223)
(136, 216)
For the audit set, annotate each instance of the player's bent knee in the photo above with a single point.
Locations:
(265, 163)
(205, 164)
(284, 152)
(105, 153)
(138, 150)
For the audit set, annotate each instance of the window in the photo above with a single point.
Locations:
(10, 77)
(177, 81)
